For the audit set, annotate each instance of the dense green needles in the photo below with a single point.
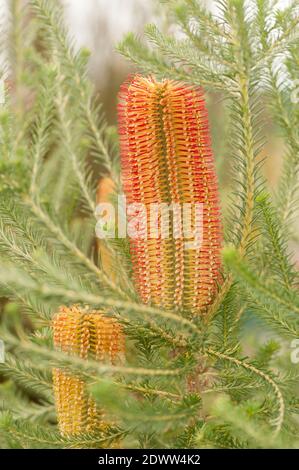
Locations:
(224, 380)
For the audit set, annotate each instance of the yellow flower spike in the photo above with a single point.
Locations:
(87, 334)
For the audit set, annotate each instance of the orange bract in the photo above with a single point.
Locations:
(167, 158)
(87, 334)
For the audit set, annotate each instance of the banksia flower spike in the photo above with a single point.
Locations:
(167, 159)
(87, 334)
(105, 191)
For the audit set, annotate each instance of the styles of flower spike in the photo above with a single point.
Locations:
(87, 334)
(167, 161)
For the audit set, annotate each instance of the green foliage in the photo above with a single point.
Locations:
(186, 382)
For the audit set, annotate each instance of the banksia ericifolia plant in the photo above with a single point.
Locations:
(105, 191)
(167, 160)
(86, 334)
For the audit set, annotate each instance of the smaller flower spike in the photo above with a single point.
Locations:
(167, 163)
(105, 191)
(87, 334)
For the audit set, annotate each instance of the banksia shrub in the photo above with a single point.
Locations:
(87, 334)
(167, 159)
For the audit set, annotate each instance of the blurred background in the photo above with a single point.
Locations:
(99, 25)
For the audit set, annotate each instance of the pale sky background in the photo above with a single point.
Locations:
(100, 24)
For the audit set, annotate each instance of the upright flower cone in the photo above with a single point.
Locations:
(105, 191)
(167, 159)
(87, 334)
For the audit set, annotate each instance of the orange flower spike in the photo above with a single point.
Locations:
(167, 158)
(87, 334)
(105, 189)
